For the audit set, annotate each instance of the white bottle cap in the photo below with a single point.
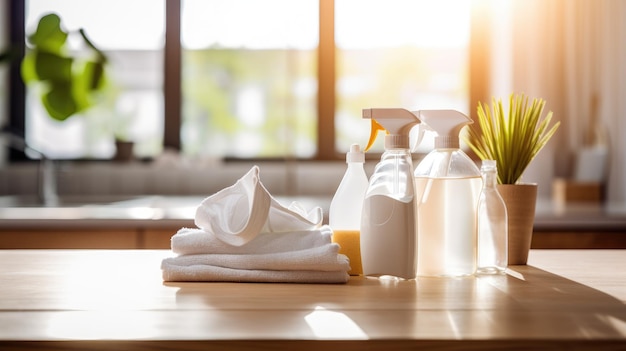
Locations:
(355, 154)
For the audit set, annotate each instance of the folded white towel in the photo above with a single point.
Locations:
(306, 256)
(240, 212)
(322, 258)
(245, 235)
(206, 273)
(190, 241)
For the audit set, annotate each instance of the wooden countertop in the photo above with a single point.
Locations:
(154, 211)
(116, 299)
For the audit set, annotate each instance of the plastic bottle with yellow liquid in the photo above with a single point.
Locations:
(344, 216)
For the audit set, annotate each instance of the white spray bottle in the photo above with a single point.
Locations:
(344, 215)
(448, 185)
(388, 219)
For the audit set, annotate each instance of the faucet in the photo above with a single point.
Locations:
(46, 178)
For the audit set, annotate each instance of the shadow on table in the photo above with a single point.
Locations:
(550, 305)
(526, 304)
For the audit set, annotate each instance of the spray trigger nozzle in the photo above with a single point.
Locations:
(376, 127)
(397, 122)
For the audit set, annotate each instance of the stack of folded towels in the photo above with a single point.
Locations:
(245, 235)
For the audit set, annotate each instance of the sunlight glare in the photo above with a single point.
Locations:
(333, 325)
(365, 24)
(251, 24)
(112, 24)
(615, 322)
(250, 106)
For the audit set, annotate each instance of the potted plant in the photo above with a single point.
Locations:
(69, 81)
(123, 143)
(513, 140)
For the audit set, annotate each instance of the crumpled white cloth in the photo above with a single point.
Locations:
(245, 235)
(238, 213)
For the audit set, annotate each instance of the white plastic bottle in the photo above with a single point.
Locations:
(492, 224)
(344, 215)
(388, 222)
(448, 184)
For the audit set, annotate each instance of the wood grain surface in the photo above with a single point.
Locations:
(116, 299)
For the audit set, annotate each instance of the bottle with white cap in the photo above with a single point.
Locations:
(388, 223)
(448, 184)
(492, 224)
(344, 216)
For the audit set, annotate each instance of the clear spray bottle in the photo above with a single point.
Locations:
(448, 184)
(388, 242)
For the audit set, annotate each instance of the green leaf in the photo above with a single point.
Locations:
(94, 75)
(50, 66)
(29, 74)
(70, 81)
(49, 36)
(59, 101)
(81, 87)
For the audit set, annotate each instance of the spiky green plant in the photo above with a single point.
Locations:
(512, 140)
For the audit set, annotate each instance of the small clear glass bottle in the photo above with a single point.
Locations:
(492, 224)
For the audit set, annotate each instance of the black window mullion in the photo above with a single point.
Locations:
(17, 89)
(172, 95)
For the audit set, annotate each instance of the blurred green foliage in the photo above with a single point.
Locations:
(69, 80)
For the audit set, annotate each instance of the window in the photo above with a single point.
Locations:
(249, 78)
(132, 107)
(249, 73)
(398, 53)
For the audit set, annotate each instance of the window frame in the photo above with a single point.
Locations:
(172, 93)
(17, 88)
